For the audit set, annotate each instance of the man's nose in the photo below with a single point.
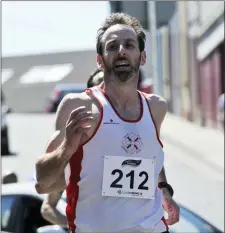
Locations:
(122, 51)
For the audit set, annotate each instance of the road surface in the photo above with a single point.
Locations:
(197, 185)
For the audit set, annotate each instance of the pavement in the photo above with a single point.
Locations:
(194, 164)
(204, 144)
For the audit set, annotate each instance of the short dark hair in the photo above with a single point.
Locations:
(124, 19)
(90, 82)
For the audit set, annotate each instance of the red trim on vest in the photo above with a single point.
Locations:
(117, 113)
(157, 133)
(164, 221)
(72, 189)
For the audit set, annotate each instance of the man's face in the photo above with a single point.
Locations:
(121, 55)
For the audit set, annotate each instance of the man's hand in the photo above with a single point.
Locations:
(77, 124)
(171, 207)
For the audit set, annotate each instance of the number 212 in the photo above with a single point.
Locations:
(131, 175)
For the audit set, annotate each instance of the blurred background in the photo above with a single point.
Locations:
(48, 50)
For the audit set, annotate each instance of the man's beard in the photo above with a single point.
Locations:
(123, 75)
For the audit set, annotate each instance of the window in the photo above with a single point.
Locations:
(32, 218)
(8, 210)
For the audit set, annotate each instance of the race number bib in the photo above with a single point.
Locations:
(128, 177)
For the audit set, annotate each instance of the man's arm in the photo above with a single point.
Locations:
(159, 108)
(50, 212)
(50, 166)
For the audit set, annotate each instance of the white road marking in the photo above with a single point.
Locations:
(7, 74)
(48, 73)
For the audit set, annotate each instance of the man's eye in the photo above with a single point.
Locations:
(130, 45)
(113, 47)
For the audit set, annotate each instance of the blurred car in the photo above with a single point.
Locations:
(20, 210)
(4, 127)
(22, 200)
(59, 91)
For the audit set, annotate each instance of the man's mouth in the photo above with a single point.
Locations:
(122, 63)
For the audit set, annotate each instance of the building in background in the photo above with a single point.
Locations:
(206, 36)
(190, 50)
(30, 79)
(139, 9)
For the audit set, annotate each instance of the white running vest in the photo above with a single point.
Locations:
(92, 211)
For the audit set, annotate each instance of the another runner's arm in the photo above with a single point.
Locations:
(158, 107)
(50, 166)
(50, 212)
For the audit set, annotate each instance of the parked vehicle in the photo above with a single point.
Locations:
(59, 91)
(20, 210)
(21, 204)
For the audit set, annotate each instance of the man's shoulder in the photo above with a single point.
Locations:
(157, 101)
(76, 99)
(158, 106)
(77, 96)
(70, 102)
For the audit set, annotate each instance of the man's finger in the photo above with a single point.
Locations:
(75, 120)
(75, 112)
(81, 115)
(83, 123)
(70, 124)
(172, 218)
(171, 221)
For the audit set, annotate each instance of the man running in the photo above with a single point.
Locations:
(48, 208)
(106, 149)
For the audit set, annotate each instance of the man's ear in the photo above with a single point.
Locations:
(100, 62)
(143, 58)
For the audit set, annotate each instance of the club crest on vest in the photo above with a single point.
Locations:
(132, 143)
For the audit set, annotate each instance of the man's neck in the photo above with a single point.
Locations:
(122, 96)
